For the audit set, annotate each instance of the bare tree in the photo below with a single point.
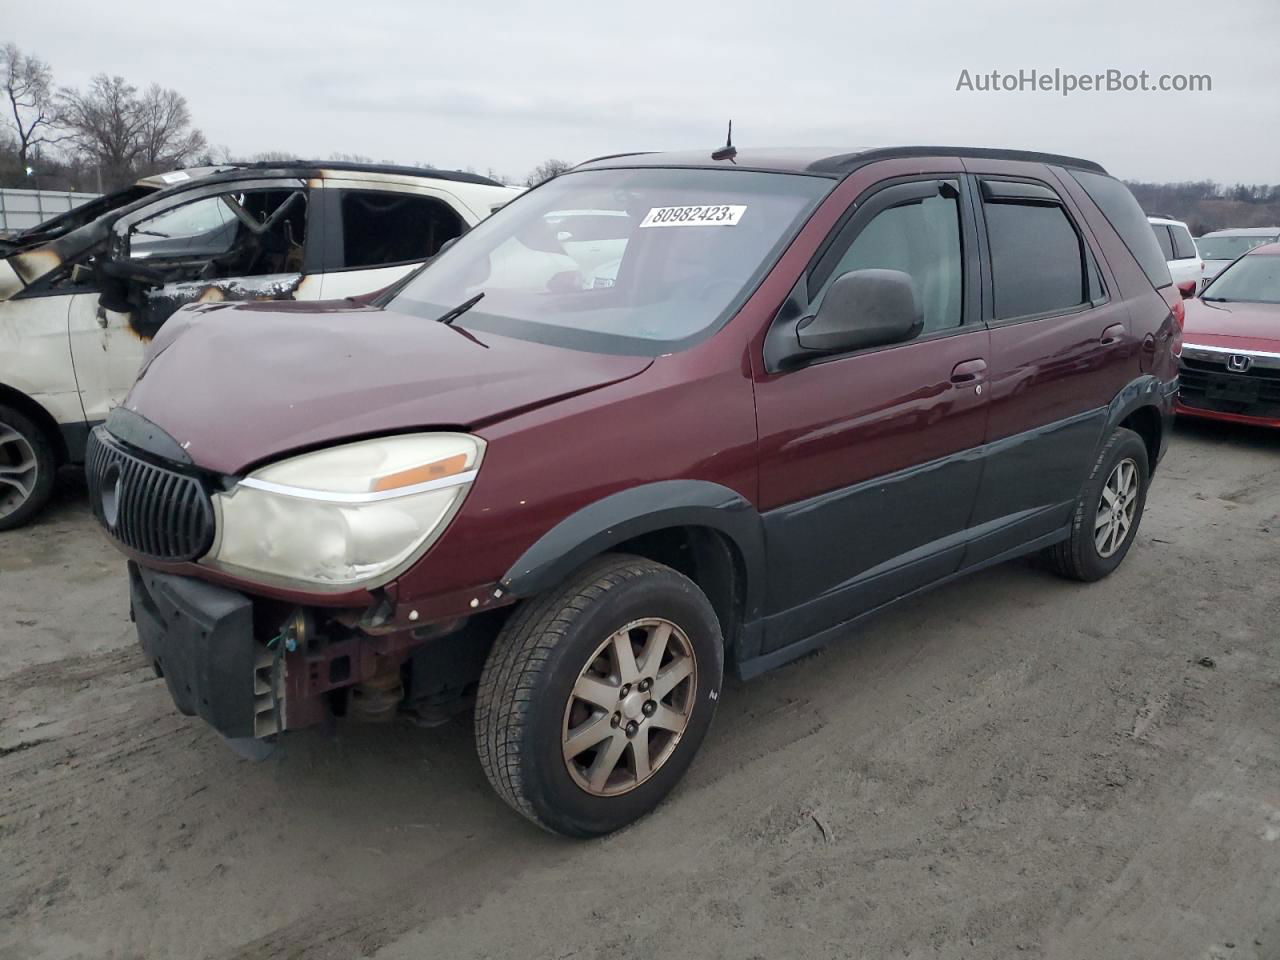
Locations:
(127, 134)
(28, 86)
(166, 139)
(105, 124)
(545, 171)
(274, 156)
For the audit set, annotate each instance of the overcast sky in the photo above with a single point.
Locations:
(505, 84)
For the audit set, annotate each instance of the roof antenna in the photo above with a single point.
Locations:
(728, 151)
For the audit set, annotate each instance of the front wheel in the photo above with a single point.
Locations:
(27, 463)
(596, 696)
(1107, 514)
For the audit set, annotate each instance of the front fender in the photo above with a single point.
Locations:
(644, 509)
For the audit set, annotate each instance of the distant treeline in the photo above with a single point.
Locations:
(1206, 205)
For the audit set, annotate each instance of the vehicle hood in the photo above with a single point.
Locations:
(239, 384)
(1246, 326)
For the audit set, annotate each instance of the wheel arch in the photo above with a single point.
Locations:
(42, 418)
(1144, 406)
(704, 530)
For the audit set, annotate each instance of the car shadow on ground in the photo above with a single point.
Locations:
(1225, 431)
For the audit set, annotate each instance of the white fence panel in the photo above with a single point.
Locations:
(23, 209)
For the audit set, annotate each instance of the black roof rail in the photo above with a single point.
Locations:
(615, 156)
(846, 162)
(458, 176)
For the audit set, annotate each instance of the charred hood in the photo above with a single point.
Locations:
(238, 384)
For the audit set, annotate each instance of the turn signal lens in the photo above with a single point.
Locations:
(448, 467)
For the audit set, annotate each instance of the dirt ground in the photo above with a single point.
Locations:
(1013, 766)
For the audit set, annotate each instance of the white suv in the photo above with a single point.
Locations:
(83, 294)
(1185, 263)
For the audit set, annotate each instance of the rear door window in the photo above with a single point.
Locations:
(1162, 237)
(381, 228)
(1038, 261)
(1184, 248)
(1127, 219)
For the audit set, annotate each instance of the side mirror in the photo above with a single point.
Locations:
(863, 308)
(1188, 289)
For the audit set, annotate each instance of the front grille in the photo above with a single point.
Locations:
(1207, 385)
(151, 509)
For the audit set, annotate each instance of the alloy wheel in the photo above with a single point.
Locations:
(18, 469)
(1116, 508)
(629, 707)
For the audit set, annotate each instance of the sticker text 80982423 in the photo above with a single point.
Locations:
(697, 215)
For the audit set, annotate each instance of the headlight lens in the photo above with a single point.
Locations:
(346, 517)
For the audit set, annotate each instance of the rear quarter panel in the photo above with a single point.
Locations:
(1149, 311)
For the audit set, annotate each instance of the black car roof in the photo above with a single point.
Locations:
(825, 163)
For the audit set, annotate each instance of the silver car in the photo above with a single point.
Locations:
(1221, 247)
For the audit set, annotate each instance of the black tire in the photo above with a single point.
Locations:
(18, 434)
(1078, 557)
(521, 706)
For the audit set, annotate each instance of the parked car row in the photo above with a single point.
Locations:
(1194, 262)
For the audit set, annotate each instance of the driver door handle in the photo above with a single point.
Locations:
(968, 371)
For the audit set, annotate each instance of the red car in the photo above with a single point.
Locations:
(1230, 364)
(664, 415)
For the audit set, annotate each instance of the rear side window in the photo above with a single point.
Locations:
(1184, 248)
(1163, 238)
(380, 229)
(1038, 264)
(1127, 219)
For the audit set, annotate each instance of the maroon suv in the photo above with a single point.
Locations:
(663, 415)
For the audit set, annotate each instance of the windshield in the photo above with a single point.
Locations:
(1228, 248)
(619, 261)
(1255, 279)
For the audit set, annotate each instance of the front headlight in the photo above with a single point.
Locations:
(346, 517)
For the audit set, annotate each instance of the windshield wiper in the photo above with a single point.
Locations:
(1216, 299)
(451, 315)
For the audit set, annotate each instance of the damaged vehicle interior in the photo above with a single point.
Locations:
(239, 244)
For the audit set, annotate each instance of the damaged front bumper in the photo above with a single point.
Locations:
(253, 669)
(200, 639)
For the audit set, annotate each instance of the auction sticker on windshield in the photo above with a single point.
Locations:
(704, 215)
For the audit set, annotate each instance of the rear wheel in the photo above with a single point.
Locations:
(596, 696)
(1107, 514)
(27, 464)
